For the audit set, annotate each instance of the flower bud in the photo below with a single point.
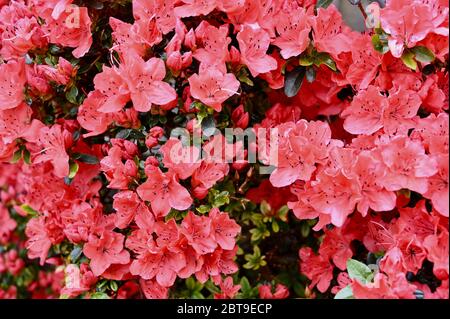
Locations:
(200, 31)
(240, 118)
(186, 60)
(174, 62)
(151, 164)
(240, 165)
(168, 106)
(173, 45)
(193, 128)
(234, 56)
(187, 98)
(131, 168)
(151, 141)
(190, 40)
(156, 131)
(36, 79)
(68, 138)
(153, 135)
(130, 148)
(190, 125)
(200, 192)
(127, 118)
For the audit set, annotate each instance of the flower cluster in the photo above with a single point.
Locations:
(118, 178)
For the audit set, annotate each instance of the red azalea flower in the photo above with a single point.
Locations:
(104, 250)
(163, 192)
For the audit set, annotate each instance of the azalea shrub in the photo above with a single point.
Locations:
(118, 178)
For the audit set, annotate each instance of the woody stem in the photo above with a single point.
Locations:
(361, 8)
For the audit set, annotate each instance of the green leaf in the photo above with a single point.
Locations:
(379, 45)
(265, 208)
(51, 60)
(113, 285)
(130, 133)
(162, 119)
(72, 94)
(405, 192)
(26, 156)
(305, 60)
(423, 54)
(197, 295)
(358, 270)
(293, 81)
(39, 59)
(203, 209)
(97, 5)
(137, 135)
(256, 253)
(221, 199)
(264, 232)
(324, 58)
(73, 169)
(282, 213)
(256, 219)
(256, 260)
(173, 214)
(203, 112)
(323, 3)
(179, 119)
(102, 285)
(194, 287)
(123, 134)
(85, 158)
(345, 293)
(244, 77)
(29, 210)
(190, 283)
(256, 234)
(245, 285)
(16, 156)
(196, 104)
(99, 295)
(275, 226)
(74, 61)
(408, 60)
(99, 66)
(304, 230)
(209, 285)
